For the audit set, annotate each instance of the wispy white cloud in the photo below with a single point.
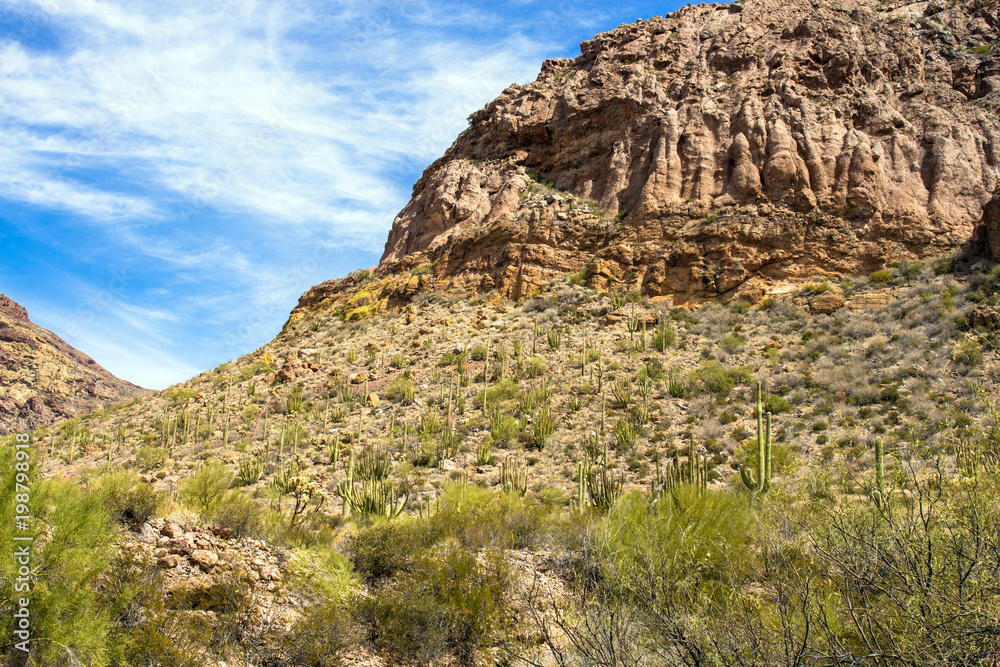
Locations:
(122, 350)
(225, 110)
(240, 148)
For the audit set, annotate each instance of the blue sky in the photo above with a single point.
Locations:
(174, 175)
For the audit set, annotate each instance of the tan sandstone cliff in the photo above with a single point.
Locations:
(690, 153)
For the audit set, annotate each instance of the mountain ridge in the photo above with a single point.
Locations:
(44, 379)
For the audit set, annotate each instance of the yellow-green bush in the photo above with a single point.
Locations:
(320, 637)
(240, 513)
(481, 518)
(383, 548)
(454, 601)
(73, 537)
(687, 542)
(205, 488)
(129, 501)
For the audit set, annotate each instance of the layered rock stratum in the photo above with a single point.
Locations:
(700, 154)
(44, 379)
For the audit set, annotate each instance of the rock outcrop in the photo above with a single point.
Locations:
(44, 379)
(689, 154)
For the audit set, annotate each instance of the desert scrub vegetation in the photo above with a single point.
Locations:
(442, 584)
(478, 427)
(708, 579)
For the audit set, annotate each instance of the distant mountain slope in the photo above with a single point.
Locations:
(43, 378)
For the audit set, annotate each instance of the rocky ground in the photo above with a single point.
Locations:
(842, 352)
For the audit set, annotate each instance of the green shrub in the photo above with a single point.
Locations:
(880, 277)
(479, 518)
(732, 344)
(536, 367)
(65, 568)
(776, 404)
(455, 601)
(406, 625)
(969, 352)
(228, 595)
(506, 431)
(146, 631)
(205, 488)
(654, 369)
(148, 457)
(713, 378)
(128, 500)
(321, 572)
(384, 548)
(503, 390)
(686, 547)
(240, 513)
(402, 389)
(943, 266)
(321, 636)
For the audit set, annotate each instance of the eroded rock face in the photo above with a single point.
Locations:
(44, 379)
(687, 154)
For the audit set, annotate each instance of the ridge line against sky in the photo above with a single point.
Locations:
(173, 176)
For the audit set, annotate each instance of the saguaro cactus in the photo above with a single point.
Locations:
(879, 495)
(763, 482)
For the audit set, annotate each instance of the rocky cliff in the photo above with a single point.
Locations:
(703, 153)
(43, 378)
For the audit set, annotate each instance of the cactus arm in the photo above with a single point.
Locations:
(879, 495)
(766, 470)
(760, 422)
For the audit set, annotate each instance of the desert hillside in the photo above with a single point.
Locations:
(683, 354)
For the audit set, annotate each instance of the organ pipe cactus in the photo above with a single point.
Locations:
(371, 498)
(514, 475)
(333, 451)
(374, 464)
(762, 484)
(674, 473)
(251, 467)
(604, 487)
